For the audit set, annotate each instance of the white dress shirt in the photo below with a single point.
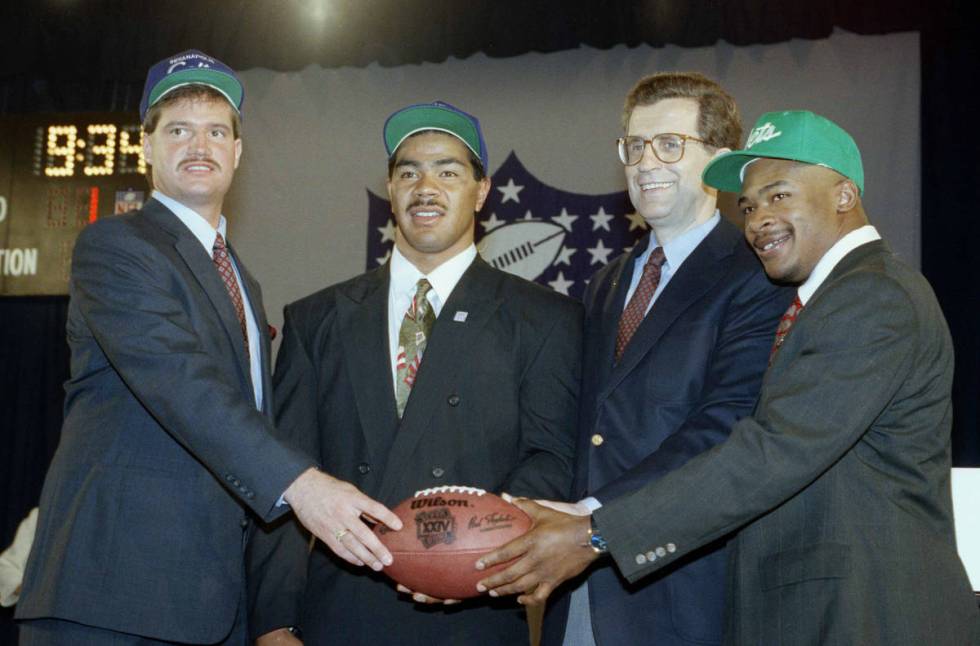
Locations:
(834, 255)
(204, 232)
(401, 290)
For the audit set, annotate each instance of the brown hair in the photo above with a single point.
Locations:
(193, 92)
(719, 123)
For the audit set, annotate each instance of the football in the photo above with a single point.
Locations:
(446, 529)
(525, 248)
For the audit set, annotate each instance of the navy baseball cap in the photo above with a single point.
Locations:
(191, 68)
(437, 115)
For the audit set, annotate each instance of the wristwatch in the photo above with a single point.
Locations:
(295, 631)
(596, 541)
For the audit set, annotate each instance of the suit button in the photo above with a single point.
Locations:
(364, 468)
(597, 440)
(453, 400)
(641, 559)
(438, 472)
(244, 523)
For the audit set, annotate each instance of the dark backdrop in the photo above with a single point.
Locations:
(78, 55)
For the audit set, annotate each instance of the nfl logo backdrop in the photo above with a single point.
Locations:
(538, 232)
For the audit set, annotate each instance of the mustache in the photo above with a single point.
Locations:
(198, 159)
(427, 202)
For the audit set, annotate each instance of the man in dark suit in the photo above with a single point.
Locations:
(668, 367)
(167, 453)
(434, 369)
(838, 484)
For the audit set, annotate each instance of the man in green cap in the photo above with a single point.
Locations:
(433, 369)
(837, 487)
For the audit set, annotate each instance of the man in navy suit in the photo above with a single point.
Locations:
(677, 335)
(167, 452)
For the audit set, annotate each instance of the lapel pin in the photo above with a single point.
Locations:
(461, 317)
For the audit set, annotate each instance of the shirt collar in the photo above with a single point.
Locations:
(678, 249)
(834, 255)
(404, 275)
(200, 227)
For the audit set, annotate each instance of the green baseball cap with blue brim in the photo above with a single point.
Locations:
(796, 135)
(440, 116)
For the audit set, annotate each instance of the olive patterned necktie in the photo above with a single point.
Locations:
(412, 338)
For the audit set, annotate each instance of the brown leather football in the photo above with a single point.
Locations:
(446, 529)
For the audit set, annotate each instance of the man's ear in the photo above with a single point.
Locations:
(482, 192)
(847, 195)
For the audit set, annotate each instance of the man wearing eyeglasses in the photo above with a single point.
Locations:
(677, 337)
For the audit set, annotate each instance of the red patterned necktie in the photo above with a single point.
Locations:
(637, 307)
(785, 323)
(223, 264)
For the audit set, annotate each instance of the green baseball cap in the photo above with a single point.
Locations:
(797, 135)
(437, 115)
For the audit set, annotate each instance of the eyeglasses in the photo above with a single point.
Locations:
(667, 147)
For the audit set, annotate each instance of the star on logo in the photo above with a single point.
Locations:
(561, 285)
(565, 219)
(491, 223)
(510, 191)
(636, 221)
(383, 259)
(528, 215)
(564, 256)
(600, 253)
(601, 220)
(387, 232)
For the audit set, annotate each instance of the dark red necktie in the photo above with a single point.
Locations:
(637, 307)
(223, 264)
(785, 323)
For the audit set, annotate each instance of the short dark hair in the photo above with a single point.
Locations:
(478, 171)
(719, 122)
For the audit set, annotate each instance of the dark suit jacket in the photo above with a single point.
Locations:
(692, 369)
(163, 455)
(838, 485)
(493, 406)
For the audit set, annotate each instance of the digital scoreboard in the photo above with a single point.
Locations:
(58, 173)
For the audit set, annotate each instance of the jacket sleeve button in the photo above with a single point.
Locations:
(438, 472)
(364, 468)
(453, 400)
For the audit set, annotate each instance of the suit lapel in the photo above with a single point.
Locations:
(449, 347)
(612, 304)
(254, 293)
(201, 266)
(363, 309)
(698, 274)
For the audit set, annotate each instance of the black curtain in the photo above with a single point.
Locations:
(950, 196)
(33, 367)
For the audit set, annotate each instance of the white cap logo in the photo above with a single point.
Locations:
(765, 132)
